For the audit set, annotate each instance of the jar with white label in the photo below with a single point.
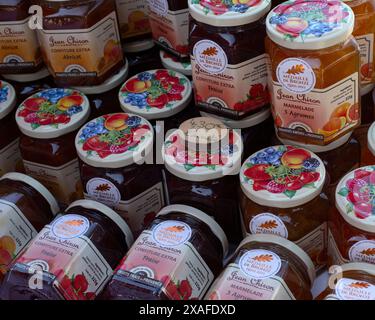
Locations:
(49, 121)
(228, 57)
(71, 258)
(313, 75)
(170, 62)
(176, 258)
(265, 267)
(351, 234)
(282, 194)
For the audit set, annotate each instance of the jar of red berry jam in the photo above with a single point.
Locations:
(282, 194)
(25, 207)
(265, 267)
(170, 62)
(176, 258)
(49, 121)
(228, 57)
(117, 168)
(351, 234)
(72, 258)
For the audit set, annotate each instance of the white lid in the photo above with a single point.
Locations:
(171, 62)
(209, 221)
(115, 140)
(289, 245)
(138, 46)
(371, 139)
(228, 14)
(63, 111)
(282, 177)
(355, 198)
(156, 94)
(367, 89)
(44, 192)
(7, 99)
(28, 77)
(90, 204)
(310, 24)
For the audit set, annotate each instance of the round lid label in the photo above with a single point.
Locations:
(70, 226)
(260, 264)
(363, 251)
(171, 233)
(210, 56)
(7, 98)
(103, 191)
(268, 223)
(350, 289)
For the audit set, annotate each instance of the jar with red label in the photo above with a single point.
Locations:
(351, 234)
(265, 267)
(282, 194)
(117, 167)
(25, 207)
(228, 57)
(171, 62)
(71, 258)
(176, 258)
(49, 121)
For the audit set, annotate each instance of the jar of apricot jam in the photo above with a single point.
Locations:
(72, 258)
(314, 79)
(25, 207)
(351, 234)
(48, 121)
(228, 57)
(176, 258)
(265, 267)
(117, 168)
(282, 194)
(170, 62)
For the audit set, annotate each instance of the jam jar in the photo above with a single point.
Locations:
(228, 57)
(117, 167)
(176, 258)
(265, 267)
(72, 258)
(170, 62)
(202, 173)
(351, 232)
(80, 41)
(145, 60)
(314, 79)
(282, 194)
(48, 121)
(25, 207)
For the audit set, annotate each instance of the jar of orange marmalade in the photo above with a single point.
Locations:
(351, 235)
(313, 76)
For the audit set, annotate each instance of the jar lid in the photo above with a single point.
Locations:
(7, 98)
(115, 141)
(310, 24)
(285, 243)
(282, 177)
(209, 221)
(355, 198)
(371, 138)
(228, 13)
(171, 62)
(94, 205)
(156, 94)
(28, 77)
(356, 266)
(42, 190)
(52, 113)
(138, 46)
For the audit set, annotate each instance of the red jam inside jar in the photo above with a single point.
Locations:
(171, 62)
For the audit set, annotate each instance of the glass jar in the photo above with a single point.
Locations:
(314, 63)
(48, 121)
(228, 57)
(72, 258)
(351, 234)
(265, 267)
(80, 41)
(176, 258)
(25, 207)
(170, 62)
(116, 167)
(282, 194)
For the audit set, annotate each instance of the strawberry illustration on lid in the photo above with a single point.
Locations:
(7, 98)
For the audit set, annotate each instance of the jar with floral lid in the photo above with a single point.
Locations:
(170, 62)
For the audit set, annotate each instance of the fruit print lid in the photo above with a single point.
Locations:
(171, 62)
(115, 141)
(282, 176)
(355, 198)
(7, 99)
(222, 13)
(52, 113)
(156, 94)
(310, 24)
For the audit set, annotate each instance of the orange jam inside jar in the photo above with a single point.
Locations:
(282, 194)
(313, 76)
(265, 267)
(80, 41)
(351, 234)
(48, 121)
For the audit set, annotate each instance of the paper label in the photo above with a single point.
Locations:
(366, 47)
(268, 223)
(351, 289)
(10, 158)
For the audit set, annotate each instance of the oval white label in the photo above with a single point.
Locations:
(350, 289)
(268, 223)
(70, 226)
(103, 191)
(171, 233)
(210, 56)
(363, 251)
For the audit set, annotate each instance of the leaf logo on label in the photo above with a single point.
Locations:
(369, 252)
(360, 285)
(264, 258)
(176, 229)
(272, 224)
(103, 187)
(211, 51)
(297, 69)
